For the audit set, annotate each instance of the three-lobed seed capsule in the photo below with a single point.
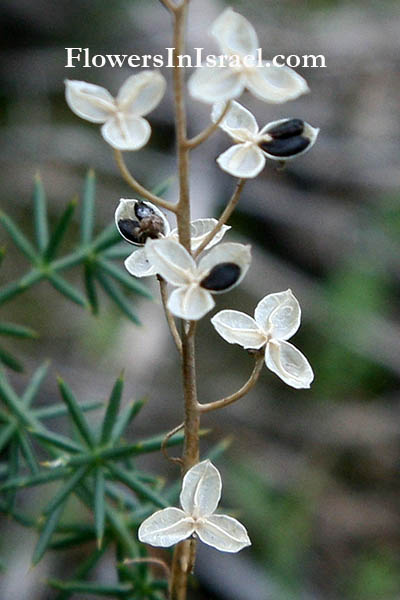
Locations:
(137, 222)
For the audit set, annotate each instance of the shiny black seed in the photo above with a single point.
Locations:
(288, 129)
(142, 210)
(286, 147)
(221, 277)
(130, 229)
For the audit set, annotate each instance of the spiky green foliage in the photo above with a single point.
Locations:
(8, 329)
(97, 468)
(92, 253)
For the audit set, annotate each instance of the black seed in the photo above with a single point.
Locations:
(130, 229)
(286, 147)
(221, 277)
(142, 210)
(288, 129)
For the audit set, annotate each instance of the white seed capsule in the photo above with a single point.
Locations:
(139, 220)
(290, 138)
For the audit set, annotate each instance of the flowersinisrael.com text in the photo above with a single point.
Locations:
(82, 57)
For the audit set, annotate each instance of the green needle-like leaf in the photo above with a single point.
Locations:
(137, 486)
(90, 286)
(66, 490)
(76, 413)
(60, 230)
(19, 238)
(46, 534)
(65, 288)
(27, 452)
(152, 444)
(112, 410)
(57, 440)
(13, 466)
(40, 215)
(122, 532)
(39, 479)
(99, 505)
(87, 218)
(97, 589)
(130, 282)
(117, 296)
(30, 279)
(34, 384)
(10, 361)
(121, 496)
(60, 410)
(71, 260)
(72, 540)
(9, 291)
(19, 331)
(14, 288)
(127, 415)
(12, 401)
(118, 252)
(107, 238)
(6, 432)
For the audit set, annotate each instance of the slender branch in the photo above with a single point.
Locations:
(138, 187)
(170, 319)
(148, 560)
(230, 207)
(183, 552)
(168, 4)
(165, 442)
(208, 131)
(250, 383)
(183, 209)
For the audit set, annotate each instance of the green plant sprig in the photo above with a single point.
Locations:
(94, 254)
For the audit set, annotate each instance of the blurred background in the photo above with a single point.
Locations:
(313, 474)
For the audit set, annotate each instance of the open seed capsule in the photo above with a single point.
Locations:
(290, 138)
(139, 220)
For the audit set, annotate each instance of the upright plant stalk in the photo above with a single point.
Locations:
(184, 552)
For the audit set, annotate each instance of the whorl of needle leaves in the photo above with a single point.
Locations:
(91, 466)
(94, 254)
(96, 466)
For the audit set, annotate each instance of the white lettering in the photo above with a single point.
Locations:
(71, 57)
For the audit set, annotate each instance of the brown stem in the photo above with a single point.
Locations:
(183, 207)
(170, 319)
(183, 558)
(250, 383)
(230, 207)
(208, 131)
(149, 560)
(138, 187)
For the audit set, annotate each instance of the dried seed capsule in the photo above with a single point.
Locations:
(287, 129)
(286, 147)
(138, 220)
(221, 277)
